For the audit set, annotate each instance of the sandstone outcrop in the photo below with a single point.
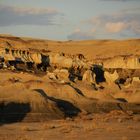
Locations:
(68, 67)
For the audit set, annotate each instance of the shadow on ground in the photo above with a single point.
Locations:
(68, 108)
(13, 112)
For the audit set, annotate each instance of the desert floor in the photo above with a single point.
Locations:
(110, 126)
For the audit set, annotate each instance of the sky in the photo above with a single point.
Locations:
(71, 19)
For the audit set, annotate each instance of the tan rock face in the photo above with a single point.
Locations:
(136, 79)
(62, 74)
(111, 78)
(22, 55)
(60, 61)
(89, 77)
(125, 62)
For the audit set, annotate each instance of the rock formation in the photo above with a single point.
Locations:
(62, 66)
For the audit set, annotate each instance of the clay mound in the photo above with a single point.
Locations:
(80, 99)
(129, 96)
(63, 93)
(89, 91)
(58, 90)
(22, 104)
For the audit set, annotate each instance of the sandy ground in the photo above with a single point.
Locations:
(111, 126)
